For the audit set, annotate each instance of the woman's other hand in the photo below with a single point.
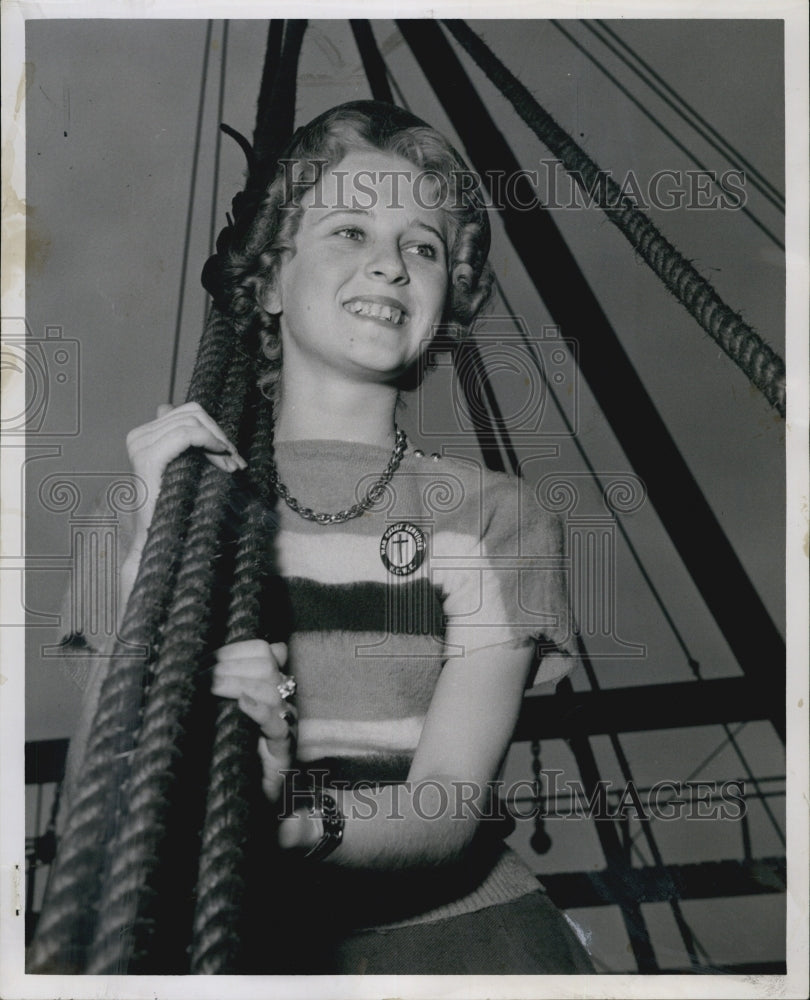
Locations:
(251, 673)
(152, 446)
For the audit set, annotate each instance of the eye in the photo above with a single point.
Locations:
(350, 232)
(424, 250)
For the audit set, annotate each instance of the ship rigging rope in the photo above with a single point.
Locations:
(760, 363)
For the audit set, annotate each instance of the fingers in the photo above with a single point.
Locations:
(249, 678)
(223, 462)
(250, 673)
(275, 756)
(249, 649)
(198, 413)
(172, 439)
(178, 428)
(234, 672)
(275, 759)
(277, 723)
(151, 447)
(227, 464)
(260, 700)
(211, 437)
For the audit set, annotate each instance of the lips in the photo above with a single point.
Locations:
(377, 307)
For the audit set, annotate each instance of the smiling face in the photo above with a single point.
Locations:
(368, 280)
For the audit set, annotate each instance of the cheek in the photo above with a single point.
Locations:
(439, 299)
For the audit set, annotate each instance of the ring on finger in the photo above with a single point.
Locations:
(287, 688)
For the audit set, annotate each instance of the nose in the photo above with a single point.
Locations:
(385, 263)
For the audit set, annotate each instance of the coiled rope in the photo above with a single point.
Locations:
(68, 918)
(127, 924)
(225, 857)
(760, 363)
(115, 904)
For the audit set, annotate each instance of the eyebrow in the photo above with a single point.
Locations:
(366, 212)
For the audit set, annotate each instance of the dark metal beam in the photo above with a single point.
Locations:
(373, 63)
(645, 708)
(689, 520)
(482, 405)
(703, 880)
(618, 864)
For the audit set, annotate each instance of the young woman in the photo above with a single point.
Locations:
(419, 589)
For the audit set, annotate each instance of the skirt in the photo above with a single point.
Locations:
(527, 936)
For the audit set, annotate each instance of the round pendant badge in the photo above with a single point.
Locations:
(402, 548)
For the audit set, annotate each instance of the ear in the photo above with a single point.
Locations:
(270, 296)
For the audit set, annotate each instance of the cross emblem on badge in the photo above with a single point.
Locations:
(402, 548)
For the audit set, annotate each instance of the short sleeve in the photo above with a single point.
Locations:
(510, 586)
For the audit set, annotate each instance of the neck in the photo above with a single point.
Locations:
(329, 408)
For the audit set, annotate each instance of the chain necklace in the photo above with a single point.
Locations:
(372, 495)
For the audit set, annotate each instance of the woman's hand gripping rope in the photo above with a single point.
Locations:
(153, 445)
(251, 673)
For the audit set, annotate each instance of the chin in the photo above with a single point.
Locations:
(382, 363)
(382, 373)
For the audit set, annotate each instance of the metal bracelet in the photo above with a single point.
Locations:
(326, 808)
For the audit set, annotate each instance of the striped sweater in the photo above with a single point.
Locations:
(453, 558)
(370, 624)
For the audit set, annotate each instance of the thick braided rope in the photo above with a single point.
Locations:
(67, 925)
(272, 57)
(135, 855)
(275, 113)
(760, 363)
(275, 108)
(224, 858)
(221, 882)
(292, 46)
(67, 920)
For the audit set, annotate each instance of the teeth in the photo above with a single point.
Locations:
(376, 310)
